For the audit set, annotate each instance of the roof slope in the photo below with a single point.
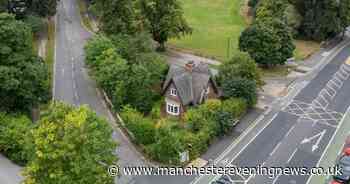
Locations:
(190, 83)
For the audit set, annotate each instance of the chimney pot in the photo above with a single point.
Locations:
(189, 66)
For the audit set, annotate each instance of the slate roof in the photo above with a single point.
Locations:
(189, 84)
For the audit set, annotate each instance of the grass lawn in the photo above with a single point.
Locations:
(216, 25)
(305, 48)
(83, 9)
(50, 49)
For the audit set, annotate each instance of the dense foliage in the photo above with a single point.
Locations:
(15, 137)
(268, 41)
(162, 19)
(24, 76)
(164, 139)
(165, 19)
(240, 88)
(309, 19)
(240, 65)
(43, 8)
(131, 77)
(116, 16)
(73, 138)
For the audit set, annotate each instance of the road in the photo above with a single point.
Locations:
(296, 132)
(72, 83)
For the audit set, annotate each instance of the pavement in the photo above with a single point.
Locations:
(72, 83)
(9, 172)
(298, 128)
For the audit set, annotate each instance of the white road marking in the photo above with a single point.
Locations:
(276, 178)
(290, 130)
(292, 155)
(275, 149)
(330, 141)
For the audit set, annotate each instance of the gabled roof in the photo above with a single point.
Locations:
(190, 83)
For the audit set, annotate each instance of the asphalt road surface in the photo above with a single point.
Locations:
(72, 83)
(296, 133)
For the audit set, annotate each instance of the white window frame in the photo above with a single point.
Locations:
(207, 91)
(173, 92)
(172, 109)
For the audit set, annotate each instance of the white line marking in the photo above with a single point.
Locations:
(335, 84)
(331, 140)
(275, 149)
(291, 156)
(274, 181)
(290, 130)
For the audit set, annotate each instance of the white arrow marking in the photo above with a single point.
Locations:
(316, 145)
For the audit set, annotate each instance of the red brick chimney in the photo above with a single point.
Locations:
(189, 66)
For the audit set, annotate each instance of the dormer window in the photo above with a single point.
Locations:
(173, 92)
(207, 91)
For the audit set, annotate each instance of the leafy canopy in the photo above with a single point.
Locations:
(72, 145)
(24, 77)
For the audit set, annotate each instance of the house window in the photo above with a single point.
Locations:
(173, 109)
(207, 91)
(173, 92)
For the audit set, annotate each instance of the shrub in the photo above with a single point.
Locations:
(142, 128)
(36, 23)
(168, 147)
(95, 47)
(130, 47)
(14, 138)
(235, 106)
(241, 88)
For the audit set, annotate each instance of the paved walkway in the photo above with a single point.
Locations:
(9, 172)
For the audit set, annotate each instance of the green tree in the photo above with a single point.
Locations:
(165, 19)
(237, 87)
(268, 41)
(45, 8)
(72, 145)
(344, 14)
(24, 77)
(95, 48)
(143, 129)
(15, 140)
(117, 16)
(271, 9)
(323, 19)
(3, 6)
(240, 65)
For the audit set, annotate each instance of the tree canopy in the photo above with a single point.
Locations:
(268, 41)
(24, 76)
(240, 65)
(72, 145)
(165, 19)
(117, 16)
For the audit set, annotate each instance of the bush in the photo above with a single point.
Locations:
(235, 106)
(36, 23)
(14, 138)
(95, 48)
(142, 128)
(241, 88)
(167, 148)
(240, 65)
(130, 47)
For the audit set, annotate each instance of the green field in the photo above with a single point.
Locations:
(216, 24)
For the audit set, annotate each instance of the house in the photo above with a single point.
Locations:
(188, 86)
